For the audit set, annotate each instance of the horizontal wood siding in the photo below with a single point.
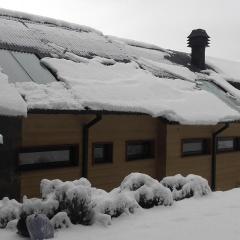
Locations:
(43, 130)
(200, 165)
(57, 129)
(228, 164)
(119, 129)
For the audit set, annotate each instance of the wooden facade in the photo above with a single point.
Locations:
(62, 129)
(227, 163)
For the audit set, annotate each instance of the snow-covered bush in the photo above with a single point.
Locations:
(115, 203)
(82, 182)
(61, 220)
(47, 206)
(74, 198)
(9, 210)
(148, 192)
(135, 180)
(49, 186)
(174, 182)
(31, 206)
(85, 204)
(186, 187)
(154, 195)
(78, 205)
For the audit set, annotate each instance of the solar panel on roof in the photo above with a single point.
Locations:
(31, 64)
(24, 67)
(11, 68)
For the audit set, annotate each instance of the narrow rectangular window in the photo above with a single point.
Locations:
(47, 156)
(195, 147)
(102, 153)
(139, 150)
(226, 144)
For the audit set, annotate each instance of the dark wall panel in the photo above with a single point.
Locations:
(10, 128)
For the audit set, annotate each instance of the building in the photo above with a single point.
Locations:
(74, 102)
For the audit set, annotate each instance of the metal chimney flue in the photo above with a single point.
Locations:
(198, 40)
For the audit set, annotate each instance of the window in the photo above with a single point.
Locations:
(102, 153)
(139, 150)
(226, 144)
(49, 156)
(195, 147)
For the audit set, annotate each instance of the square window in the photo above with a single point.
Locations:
(102, 153)
(195, 147)
(139, 150)
(47, 156)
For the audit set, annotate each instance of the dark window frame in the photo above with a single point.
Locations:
(236, 145)
(109, 156)
(73, 161)
(205, 147)
(237, 142)
(150, 155)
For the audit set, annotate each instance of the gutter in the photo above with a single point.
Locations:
(214, 151)
(83, 112)
(85, 145)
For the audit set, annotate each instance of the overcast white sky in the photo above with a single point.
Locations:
(166, 23)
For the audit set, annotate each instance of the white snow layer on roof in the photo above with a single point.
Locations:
(104, 83)
(11, 102)
(52, 39)
(221, 81)
(53, 96)
(45, 20)
(127, 87)
(134, 43)
(229, 69)
(176, 70)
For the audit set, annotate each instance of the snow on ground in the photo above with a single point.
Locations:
(215, 216)
(127, 87)
(11, 102)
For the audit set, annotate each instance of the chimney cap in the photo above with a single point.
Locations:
(198, 33)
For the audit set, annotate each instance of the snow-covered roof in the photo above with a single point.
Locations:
(11, 103)
(99, 72)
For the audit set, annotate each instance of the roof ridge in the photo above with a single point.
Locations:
(45, 20)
